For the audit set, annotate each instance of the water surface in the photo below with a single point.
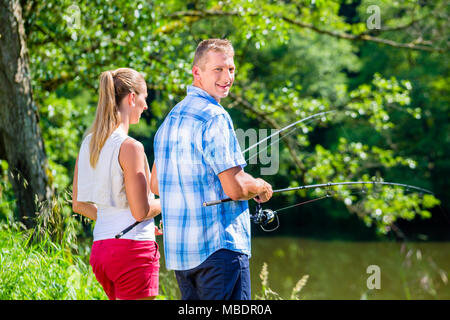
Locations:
(339, 269)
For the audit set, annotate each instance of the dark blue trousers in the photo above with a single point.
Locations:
(224, 275)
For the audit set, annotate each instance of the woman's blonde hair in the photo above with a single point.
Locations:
(114, 86)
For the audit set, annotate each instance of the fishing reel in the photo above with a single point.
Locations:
(264, 217)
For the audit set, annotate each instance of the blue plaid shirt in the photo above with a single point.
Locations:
(193, 145)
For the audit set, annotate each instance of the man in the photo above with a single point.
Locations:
(198, 159)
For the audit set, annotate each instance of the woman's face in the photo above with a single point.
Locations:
(139, 104)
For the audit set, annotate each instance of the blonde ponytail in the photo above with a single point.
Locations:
(114, 86)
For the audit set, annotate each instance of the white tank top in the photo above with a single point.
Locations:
(104, 186)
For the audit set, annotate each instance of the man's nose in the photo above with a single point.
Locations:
(228, 76)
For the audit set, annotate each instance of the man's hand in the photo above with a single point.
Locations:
(159, 231)
(266, 192)
(239, 185)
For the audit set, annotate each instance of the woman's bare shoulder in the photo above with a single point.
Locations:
(131, 150)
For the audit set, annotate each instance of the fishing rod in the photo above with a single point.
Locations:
(120, 234)
(322, 185)
(264, 217)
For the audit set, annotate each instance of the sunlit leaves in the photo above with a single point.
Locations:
(285, 72)
(63, 124)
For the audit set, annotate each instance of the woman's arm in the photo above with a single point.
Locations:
(132, 159)
(86, 209)
(155, 205)
(154, 181)
(154, 190)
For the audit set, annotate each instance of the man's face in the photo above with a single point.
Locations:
(216, 76)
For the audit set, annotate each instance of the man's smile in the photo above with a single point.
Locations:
(224, 87)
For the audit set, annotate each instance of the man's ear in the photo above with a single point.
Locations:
(196, 72)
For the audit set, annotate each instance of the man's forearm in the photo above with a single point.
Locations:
(249, 187)
(239, 185)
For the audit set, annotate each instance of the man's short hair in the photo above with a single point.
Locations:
(221, 45)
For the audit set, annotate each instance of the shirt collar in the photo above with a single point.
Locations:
(196, 91)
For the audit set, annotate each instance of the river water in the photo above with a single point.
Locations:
(349, 270)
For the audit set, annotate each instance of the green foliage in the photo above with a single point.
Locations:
(8, 201)
(42, 270)
(293, 59)
(63, 125)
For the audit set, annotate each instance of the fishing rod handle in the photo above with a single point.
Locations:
(120, 234)
(213, 203)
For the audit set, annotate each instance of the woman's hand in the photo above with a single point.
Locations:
(89, 210)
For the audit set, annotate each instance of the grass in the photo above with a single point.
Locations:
(46, 270)
(43, 270)
(49, 262)
(268, 294)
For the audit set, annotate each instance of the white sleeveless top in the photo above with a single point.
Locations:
(105, 187)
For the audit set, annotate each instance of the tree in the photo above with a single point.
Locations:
(21, 142)
(294, 58)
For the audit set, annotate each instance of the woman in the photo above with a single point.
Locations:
(111, 186)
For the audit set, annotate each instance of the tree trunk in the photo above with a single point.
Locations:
(21, 143)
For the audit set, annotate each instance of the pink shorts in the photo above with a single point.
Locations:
(126, 269)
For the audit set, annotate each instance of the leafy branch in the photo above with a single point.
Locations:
(203, 14)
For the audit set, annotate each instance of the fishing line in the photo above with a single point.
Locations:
(265, 217)
(284, 135)
(287, 127)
